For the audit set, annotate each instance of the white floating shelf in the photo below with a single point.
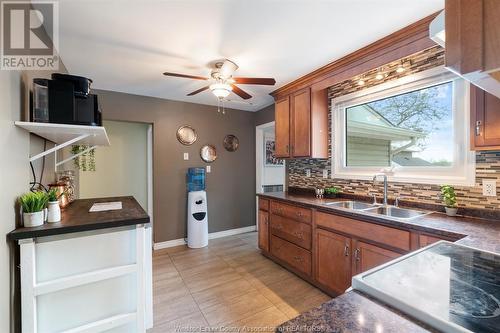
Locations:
(61, 133)
(64, 135)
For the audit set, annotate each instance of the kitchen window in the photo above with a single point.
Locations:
(416, 129)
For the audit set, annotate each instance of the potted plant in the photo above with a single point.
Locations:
(54, 211)
(332, 192)
(449, 199)
(34, 211)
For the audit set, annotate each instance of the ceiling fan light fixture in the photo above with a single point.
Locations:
(221, 90)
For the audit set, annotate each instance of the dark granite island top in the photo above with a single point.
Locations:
(356, 312)
(77, 218)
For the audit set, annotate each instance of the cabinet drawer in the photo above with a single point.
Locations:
(296, 232)
(297, 213)
(263, 204)
(381, 234)
(293, 255)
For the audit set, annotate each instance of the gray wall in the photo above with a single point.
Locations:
(230, 185)
(265, 115)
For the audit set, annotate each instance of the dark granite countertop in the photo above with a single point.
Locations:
(357, 312)
(77, 218)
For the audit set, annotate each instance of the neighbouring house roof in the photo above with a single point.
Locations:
(364, 121)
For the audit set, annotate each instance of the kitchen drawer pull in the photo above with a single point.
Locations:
(299, 214)
(346, 250)
(299, 235)
(298, 258)
(278, 226)
(478, 128)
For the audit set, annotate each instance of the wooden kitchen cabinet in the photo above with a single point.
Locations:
(282, 127)
(485, 120)
(263, 230)
(292, 255)
(367, 256)
(301, 124)
(333, 261)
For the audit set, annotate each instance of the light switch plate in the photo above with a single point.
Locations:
(209, 168)
(186, 156)
(325, 173)
(308, 172)
(489, 187)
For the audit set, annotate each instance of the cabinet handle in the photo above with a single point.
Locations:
(346, 250)
(478, 128)
(299, 214)
(356, 254)
(266, 221)
(299, 235)
(278, 226)
(298, 258)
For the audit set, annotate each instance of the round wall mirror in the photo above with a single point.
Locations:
(231, 142)
(208, 153)
(186, 135)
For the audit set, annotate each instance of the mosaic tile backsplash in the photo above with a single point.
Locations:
(487, 163)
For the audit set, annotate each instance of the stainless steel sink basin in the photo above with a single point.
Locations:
(356, 205)
(400, 213)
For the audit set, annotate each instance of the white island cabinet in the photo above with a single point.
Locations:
(88, 273)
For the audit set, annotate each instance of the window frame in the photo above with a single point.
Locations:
(462, 170)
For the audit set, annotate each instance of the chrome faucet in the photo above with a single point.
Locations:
(385, 185)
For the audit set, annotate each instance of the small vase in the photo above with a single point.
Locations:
(54, 214)
(35, 219)
(451, 211)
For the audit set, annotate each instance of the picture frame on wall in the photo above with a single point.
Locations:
(271, 160)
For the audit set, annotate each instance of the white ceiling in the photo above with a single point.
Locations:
(126, 45)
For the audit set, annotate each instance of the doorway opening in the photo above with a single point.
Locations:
(270, 170)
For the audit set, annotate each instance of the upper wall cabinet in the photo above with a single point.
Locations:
(301, 121)
(472, 42)
(485, 120)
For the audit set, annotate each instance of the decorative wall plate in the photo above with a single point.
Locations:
(186, 135)
(231, 142)
(208, 153)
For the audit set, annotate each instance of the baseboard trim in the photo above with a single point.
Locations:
(212, 235)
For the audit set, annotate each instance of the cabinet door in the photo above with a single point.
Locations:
(424, 240)
(301, 123)
(264, 230)
(333, 261)
(367, 256)
(485, 120)
(282, 127)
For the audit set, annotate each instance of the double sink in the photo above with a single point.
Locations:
(380, 210)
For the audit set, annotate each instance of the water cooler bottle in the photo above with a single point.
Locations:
(197, 214)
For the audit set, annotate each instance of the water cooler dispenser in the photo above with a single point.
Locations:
(197, 214)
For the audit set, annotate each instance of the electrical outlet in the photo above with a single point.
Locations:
(209, 168)
(489, 187)
(186, 156)
(325, 173)
(308, 172)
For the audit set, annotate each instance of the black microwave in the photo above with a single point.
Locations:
(65, 99)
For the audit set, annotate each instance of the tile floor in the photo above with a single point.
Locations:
(225, 287)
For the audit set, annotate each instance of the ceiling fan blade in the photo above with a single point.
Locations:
(266, 81)
(198, 91)
(186, 76)
(227, 69)
(241, 92)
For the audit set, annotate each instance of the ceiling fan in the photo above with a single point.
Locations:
(224, 82)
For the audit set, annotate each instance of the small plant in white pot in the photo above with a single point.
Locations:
(54, 213)
(449, 199)
(34, 211)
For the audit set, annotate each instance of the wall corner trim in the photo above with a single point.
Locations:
(212, 235)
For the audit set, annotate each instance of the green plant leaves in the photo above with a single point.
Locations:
(33, 202)
(448, 195)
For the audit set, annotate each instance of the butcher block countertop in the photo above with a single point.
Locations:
(356, 312)
(77, 218)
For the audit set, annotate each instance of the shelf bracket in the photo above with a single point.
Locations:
(57, 147)
(75, 156)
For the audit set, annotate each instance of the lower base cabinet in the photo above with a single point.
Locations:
(367, 256)
(333, 261)
(263, 230)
